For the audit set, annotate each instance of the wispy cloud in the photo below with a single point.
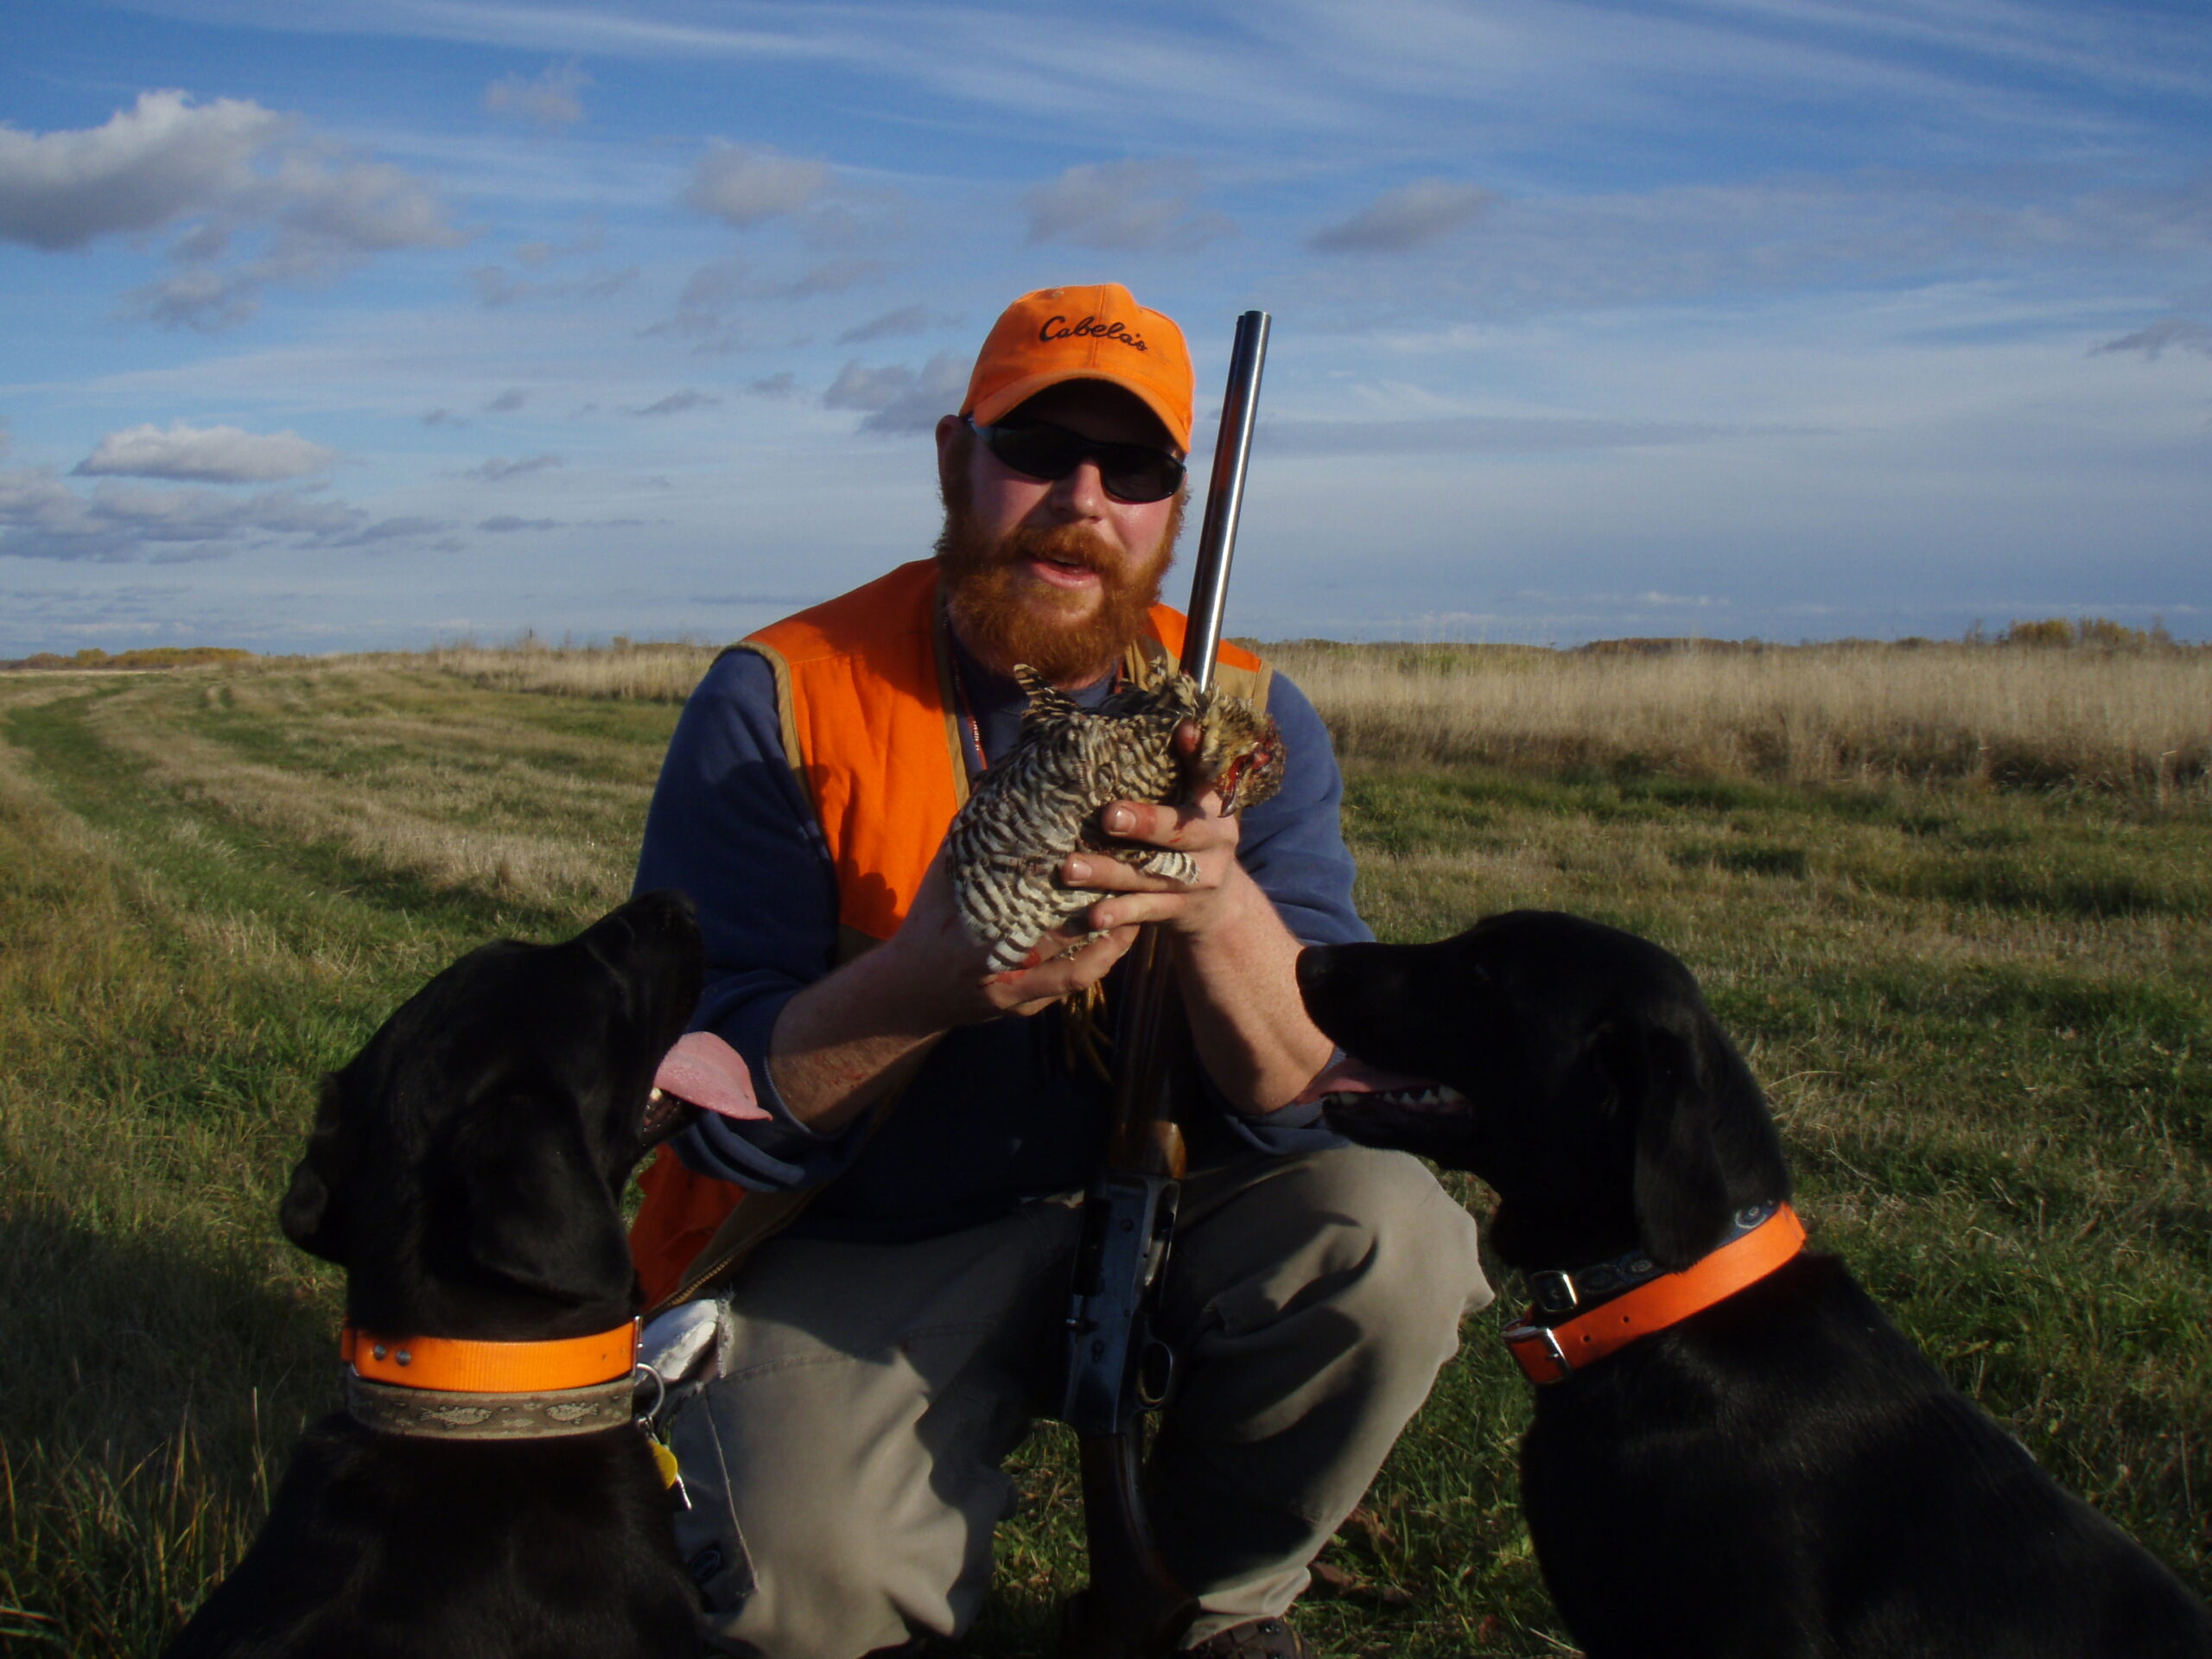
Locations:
(496, 286)
(590, 237)
(1410, 216)
(721, 284)
(205, 454)
(405, 527)
(1482, 434)
(2179, 332)
(497, 469)
(677, 401)
(743, 186)
(550, 99)
(906, 320)
(900, 399)
(1123, 207)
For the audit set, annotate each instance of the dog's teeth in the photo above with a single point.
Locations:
(655, 1098)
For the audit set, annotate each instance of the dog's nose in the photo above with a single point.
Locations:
(1313, 965)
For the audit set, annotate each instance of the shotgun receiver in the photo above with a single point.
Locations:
(1117, 1367)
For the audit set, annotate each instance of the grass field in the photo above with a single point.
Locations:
(1976, 992)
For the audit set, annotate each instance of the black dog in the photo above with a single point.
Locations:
(464, 1169)
(1781, 1473)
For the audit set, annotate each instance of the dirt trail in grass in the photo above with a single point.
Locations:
(210, 893)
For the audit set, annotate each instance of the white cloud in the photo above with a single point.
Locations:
(41, 517)
(1407, 217)
(549, 100)
(900, 399)
(1123, 207)
(148, 165)
(743, 186)
(205, 454)
(256, 203)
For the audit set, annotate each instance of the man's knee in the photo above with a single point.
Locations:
(1369, 1234)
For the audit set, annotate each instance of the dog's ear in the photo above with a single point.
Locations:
(1680, 1193)
(311, 1214)
(538, 1209)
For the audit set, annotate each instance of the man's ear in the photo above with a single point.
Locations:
(1680, 1193)
(538, 1213)
(312, 1214)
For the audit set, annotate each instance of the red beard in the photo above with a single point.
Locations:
(1005, 618)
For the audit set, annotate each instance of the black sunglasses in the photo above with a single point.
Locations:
(1130, 472)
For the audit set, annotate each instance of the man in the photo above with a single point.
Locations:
(880, 1356)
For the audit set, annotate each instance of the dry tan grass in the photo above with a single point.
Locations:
(653, 673)
(443, 802)
(2134, 721)
(1810, 715)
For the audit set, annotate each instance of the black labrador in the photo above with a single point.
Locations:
(1783, 1473)
(464, 1169)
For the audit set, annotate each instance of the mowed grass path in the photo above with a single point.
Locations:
(1982, 1017)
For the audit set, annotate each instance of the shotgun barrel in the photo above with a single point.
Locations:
(1117, 1367)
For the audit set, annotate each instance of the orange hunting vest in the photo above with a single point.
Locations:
(870, 724)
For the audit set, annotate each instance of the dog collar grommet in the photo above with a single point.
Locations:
(1551, 1353)
(456, 1365)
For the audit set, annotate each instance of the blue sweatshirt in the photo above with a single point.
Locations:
(996, 1115)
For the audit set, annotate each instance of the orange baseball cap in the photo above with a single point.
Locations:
(1098, 333)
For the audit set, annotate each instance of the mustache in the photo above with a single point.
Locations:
(1075, 544)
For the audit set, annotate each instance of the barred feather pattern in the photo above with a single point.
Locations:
(1040, 802)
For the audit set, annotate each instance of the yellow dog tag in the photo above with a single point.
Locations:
(663, 1460)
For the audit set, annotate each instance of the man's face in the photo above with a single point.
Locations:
(1054, 572)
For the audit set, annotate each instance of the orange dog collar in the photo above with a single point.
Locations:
(1551, 1353)
(457, 1366)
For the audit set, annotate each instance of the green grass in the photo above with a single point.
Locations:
(1982, 1016)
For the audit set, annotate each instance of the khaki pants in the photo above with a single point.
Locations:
(845, 1466)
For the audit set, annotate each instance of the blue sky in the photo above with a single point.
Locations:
(327, 326)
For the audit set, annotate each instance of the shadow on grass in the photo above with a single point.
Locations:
(155, 1386)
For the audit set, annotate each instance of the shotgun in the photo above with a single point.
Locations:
(1117, 1367)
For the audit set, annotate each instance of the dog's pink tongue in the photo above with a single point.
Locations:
(1352, 1076)
(711, 1075)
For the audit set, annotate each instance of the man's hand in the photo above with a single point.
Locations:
(1200, 829)
(936, 955)
(844, 1041)
(848, 1039)
(1234, 957)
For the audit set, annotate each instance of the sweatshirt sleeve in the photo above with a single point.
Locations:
(730, 826)
(1294, 846)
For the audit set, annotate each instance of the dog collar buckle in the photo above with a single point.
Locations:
(1767, 1235)
(1555, 1291)
(1533, 1345)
